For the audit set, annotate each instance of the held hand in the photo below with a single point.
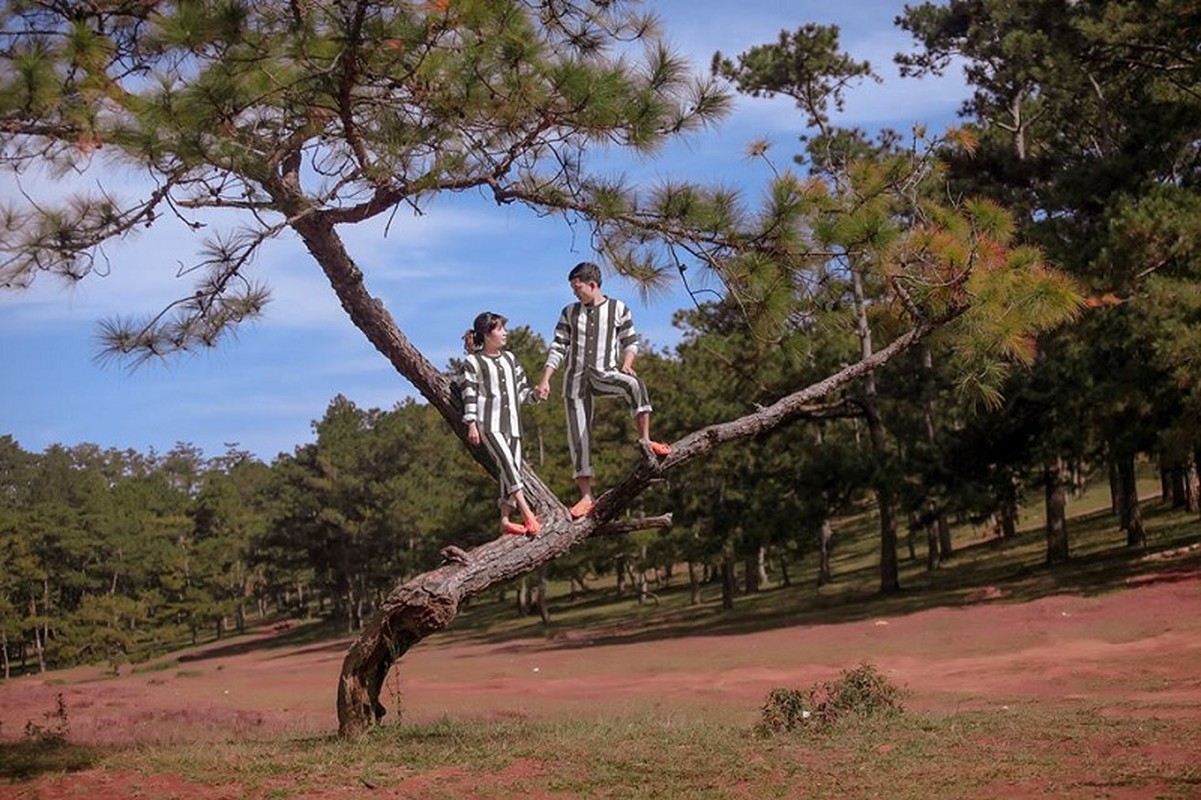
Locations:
(542, 390)
(473, 434)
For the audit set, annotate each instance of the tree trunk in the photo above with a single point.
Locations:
(945, 548)
(1009, 517)
(1057, 503)
(1115, 487)
(543, 584)
(1192, 487)
(890, 580)
(750, 566)
(694, 585)
(523, 596)
(619, 566)
(728, 581)
(890, 574)
(37, 637)
(824, 575)
(942, 532)
(1130, 516)
(1175, 490)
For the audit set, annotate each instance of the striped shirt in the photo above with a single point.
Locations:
(494, 387)
(591, 338)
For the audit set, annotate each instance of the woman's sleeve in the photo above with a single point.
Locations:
(469, 381)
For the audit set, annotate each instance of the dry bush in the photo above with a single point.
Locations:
(859, 692)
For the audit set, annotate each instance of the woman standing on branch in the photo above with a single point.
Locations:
(494, 387)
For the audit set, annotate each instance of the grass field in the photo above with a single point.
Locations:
(1016, 680)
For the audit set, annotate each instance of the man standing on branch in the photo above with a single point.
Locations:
(589, 336)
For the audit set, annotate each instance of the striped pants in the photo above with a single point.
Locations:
(506, 452)
(579, 411)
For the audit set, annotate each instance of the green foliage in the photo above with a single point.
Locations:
(222, 101)
(805, 65)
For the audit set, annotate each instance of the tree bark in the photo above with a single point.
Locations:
(543, 608)
(619, 569)
(942, 531)
(1009, 516)
(890, 580)
(752, 567)
(933, 552)
(1192, 487)
(728, 580)
(1129, 514)
(824, 575)
(523, 597)
(1057, 503)
(1172, 486)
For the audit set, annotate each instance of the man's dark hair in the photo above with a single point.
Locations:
(585, 271)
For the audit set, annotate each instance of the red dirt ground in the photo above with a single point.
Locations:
(1141, 642)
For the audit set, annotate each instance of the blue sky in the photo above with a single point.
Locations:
(263, 389)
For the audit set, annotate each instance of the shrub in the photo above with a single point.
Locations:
(861, 691)
(54, 732)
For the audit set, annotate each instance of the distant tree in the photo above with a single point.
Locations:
(303, 117)
(229, 517)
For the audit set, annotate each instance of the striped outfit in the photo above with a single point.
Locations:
(494, 387)
(590, 340)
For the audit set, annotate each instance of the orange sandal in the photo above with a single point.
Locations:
(508, 526)
(658, 448)
(581, 509)
(533, 526)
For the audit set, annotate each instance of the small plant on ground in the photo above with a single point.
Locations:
(56, 726)
(859, 692)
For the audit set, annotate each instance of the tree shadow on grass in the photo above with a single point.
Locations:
(323, 635)
(1013, 571)
(25, 760)
(1016, 568)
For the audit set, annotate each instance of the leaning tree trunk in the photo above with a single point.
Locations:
(430, 602)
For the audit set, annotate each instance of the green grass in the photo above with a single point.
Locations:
(906, 755)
